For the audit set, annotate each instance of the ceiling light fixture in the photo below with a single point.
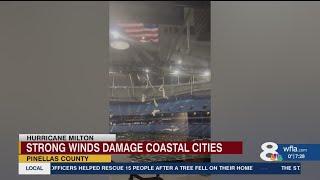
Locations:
(119, 45)
(206, 73)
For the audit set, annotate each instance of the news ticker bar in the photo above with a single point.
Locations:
(158, 168)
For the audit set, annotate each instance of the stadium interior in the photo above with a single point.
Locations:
(160, 73)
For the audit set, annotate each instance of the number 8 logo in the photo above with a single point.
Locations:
(269, 148)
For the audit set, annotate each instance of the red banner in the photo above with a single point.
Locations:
(100, 147)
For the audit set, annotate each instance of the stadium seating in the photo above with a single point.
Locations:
(184, 104)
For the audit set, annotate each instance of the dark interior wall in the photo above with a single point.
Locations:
(266, 84)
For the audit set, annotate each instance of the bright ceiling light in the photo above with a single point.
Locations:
(206, 73)
(115, 34)
(120, 45)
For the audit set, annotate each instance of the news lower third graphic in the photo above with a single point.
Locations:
(49, 154)
(45, 149)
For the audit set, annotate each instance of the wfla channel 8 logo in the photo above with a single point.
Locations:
(269, 152)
